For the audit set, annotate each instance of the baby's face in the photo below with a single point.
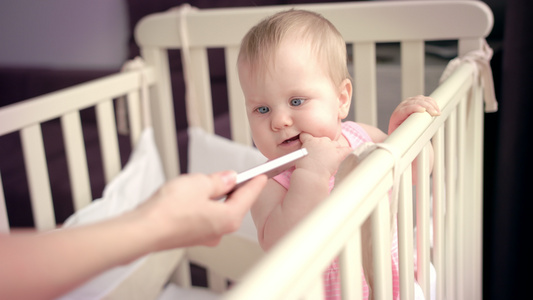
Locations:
(294, 95)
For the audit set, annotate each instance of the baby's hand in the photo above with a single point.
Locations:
(324, 154)
(412, 105)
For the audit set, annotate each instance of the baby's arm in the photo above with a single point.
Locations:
(412, 105)
(278, 210)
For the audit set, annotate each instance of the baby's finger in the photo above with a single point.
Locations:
(431, 106)
(420, 104)
(304, 137)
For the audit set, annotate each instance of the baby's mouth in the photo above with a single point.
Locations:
(292, 139)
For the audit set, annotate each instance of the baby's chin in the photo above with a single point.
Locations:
(284, 148)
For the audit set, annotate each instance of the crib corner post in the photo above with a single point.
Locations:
(162, 110)
(473, 195)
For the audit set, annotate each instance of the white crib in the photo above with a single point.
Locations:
(447, 204)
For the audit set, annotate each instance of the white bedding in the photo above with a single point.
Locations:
(141, 176)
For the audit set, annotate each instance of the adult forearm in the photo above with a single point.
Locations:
(50, 264)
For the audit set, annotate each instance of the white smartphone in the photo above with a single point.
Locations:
(273, 167)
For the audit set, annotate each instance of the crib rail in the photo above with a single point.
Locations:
(455, 199)
(27, 117)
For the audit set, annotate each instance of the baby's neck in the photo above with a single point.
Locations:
(343, 140)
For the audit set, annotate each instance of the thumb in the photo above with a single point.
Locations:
(222, 183)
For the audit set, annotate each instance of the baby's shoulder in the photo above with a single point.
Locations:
(356, 133)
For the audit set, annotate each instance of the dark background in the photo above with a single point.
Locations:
(507, 202)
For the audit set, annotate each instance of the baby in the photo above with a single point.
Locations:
(293, 73)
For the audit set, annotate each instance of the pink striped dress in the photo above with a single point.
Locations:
(355, 136)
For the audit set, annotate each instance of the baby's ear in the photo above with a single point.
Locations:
(345, 98)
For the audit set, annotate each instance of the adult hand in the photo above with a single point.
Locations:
(184, 211)
(181, 213)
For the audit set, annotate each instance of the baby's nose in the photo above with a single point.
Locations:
(281, 120)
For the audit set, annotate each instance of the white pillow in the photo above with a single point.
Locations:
(210, 153)
(140, 178)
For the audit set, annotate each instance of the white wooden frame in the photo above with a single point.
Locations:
(26, 117)
(457, 135)
(457, 207)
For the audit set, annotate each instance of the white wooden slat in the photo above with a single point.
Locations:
(422, 221)
(412, 64)
(162, 111)
(134, 116)
(200, 111)
(108, 139)
(451, 183)
(240, 130)
(439, 203)
(365, 95)
(351, 266)
(38, 180)
(381, 250)
(4, 219)
(405, 235)
(56, 104)
(76, 160)
(460, 199)
(474, 192)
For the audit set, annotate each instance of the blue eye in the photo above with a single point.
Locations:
(263, 109)
(297, 102)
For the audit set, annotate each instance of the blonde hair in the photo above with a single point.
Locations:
(260, 44)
